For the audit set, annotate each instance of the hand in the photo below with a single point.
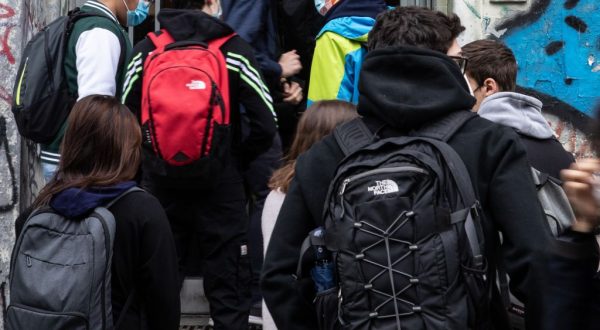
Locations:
(579, 184)
(290, 64)
(292, 93)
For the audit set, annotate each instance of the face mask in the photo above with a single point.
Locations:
(219, 12)
(137, 16)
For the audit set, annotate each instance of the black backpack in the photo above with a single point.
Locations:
(41, 99)
(404, 226)
(60, 274)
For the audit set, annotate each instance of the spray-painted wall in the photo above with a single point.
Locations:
(557, 46)
(11, 32)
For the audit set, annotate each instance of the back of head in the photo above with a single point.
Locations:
(101, 147)
(188, 4)
(316, 122)
(491, 59)
(415, 26)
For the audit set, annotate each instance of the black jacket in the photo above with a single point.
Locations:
(547, 155)
(405, 88)
(573, 293)
(144, 260)
(246, 85)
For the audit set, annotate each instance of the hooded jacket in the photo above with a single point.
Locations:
(340, 50)
(246, 84)
(402, 88)
(144, 256)
(524, 114)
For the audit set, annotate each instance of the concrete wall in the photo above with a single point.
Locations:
(558, 52)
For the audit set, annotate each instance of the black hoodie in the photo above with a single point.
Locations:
(246, 85)
(404, 88)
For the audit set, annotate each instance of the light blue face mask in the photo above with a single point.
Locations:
(137, 16)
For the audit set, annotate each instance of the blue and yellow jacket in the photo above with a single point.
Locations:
(340, 49)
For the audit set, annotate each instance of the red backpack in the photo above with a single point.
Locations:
(185, 111)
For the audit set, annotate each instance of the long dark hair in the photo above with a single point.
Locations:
(101, 147)
(316, 122)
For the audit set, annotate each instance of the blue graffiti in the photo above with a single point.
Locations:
(557, 45)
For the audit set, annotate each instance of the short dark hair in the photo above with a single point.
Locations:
(188, 4)
(491, 59)
(415, 26)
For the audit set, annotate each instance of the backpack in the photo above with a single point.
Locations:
(41, 99)
(185, 111)
(404, 225)
(60, 274)
(559, 215)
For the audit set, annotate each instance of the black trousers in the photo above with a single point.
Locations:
(211, 227)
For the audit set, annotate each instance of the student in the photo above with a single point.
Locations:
(101, 152)
(341, 47)
(573, 290)
(409, 80)
(96, 53)
(217, 216)
(492, 75)
(315, 123)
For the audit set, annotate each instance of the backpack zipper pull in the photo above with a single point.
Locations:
(28, 260)
(343, 211)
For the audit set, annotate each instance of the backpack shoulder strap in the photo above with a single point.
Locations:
(352, 136)
(162, 39)
(217, 43)
(444, 128)
(130, 190)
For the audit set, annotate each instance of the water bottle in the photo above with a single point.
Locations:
(322, 272)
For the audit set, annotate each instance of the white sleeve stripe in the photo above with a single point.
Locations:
(137, 67)
(251, 76)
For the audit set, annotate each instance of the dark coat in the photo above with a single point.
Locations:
(405, 88)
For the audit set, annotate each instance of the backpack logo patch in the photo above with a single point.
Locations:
(384, 187)
(196, 85)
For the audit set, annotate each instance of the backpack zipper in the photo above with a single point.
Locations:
(18, 99)
(381, 171)
(371, 172)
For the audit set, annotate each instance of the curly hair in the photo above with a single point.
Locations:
(415, 26)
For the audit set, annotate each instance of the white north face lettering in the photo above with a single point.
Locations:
(196, 84)
(384, 187)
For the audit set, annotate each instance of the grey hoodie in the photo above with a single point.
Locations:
(521, 112)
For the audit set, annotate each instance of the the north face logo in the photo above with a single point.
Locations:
(196, 84)
(384, 187)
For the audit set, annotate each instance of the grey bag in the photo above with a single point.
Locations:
(559, 216)
(61, 272)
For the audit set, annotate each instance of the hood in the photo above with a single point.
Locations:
(358, 8)
(521, 112)
(192, 24)
(408, 86)
(353, 19)
(76, 202)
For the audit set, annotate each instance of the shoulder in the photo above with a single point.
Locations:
(97, 23)
(319, 163)
(139, 206)
(237, 46)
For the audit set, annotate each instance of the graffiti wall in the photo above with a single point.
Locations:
(11, 27)
(557, 46)
(19, 172)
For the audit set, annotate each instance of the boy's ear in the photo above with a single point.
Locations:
(490, 86)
